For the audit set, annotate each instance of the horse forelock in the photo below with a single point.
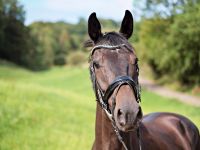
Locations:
(110, 39)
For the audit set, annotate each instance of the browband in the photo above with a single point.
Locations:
(109, 47)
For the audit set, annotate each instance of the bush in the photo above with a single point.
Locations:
(60, 59)
(77, 58)
(152, 35)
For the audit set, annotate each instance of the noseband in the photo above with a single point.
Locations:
(103, 96)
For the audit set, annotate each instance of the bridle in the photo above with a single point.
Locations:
(102, 97)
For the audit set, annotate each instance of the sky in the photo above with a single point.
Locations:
(72, 10)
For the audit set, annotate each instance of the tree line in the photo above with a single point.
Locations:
(39, 45)
(167, 38)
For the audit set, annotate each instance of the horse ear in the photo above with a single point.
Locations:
(127, 25)
(94, 27)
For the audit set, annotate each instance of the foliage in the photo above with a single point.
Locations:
(77, 58)
(167, 37)
(43, 110)
(184, 47)
(153, 33)
(42, 44)
(53, 42)
(163, 8)
(13, 33)
(60, 60)
(171, 45)
(49, 45)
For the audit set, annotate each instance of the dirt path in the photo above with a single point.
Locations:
(183, 97)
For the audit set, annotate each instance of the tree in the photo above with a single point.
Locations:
(13, 33)
(163, 8)
(170, 44)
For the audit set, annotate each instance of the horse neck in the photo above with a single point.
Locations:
(106, 138)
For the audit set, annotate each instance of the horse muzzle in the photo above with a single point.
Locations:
(127, 120)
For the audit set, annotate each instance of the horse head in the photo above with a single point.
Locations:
(114, 73)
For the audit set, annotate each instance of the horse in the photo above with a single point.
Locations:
(120, 123)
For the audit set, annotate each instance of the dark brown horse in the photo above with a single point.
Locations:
(119, 120)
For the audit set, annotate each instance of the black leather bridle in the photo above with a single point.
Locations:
(103, 96)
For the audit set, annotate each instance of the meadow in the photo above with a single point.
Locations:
(55, 109)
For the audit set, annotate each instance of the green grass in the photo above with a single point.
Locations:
(55, 109)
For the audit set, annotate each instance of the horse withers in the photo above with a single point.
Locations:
(120, 123)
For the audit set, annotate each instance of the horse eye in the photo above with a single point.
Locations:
(96, 64)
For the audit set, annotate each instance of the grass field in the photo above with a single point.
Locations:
(55, 109)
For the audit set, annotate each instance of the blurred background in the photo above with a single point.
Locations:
(46, 97)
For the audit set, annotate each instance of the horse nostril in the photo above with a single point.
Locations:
(121, 117)
(119, 113)
(139, 114)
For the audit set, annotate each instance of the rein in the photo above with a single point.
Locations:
(102, 97)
